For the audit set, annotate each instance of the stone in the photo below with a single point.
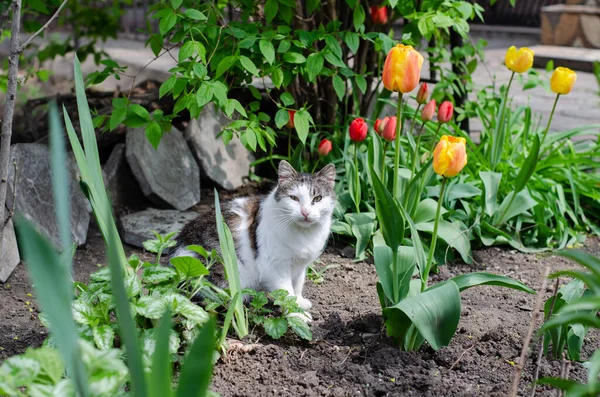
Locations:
(138, 226)
(34, 197)
(10, 252)
(168, 176)
(122, 187)
(226, 165)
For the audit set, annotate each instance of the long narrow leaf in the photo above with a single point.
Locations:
(197, 369)
(390, 219)
(160, 381)
(529, 165)
(469, 280)
(586, 260)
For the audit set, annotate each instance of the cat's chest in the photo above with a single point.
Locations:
(296, 246)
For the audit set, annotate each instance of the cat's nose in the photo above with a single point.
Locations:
(305, 212)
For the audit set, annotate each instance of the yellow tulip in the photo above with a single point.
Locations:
(402, 69)
(450, 156)
(562, 80)
(519, 61)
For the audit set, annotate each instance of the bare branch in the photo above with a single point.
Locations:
(33, 36)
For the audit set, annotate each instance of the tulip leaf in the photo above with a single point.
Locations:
(512, 207)
(452, 235)
(426, 210)
(469, 280)
(388, 213)
(491, 183)
(363, 227)
(529, 165)
(434, 312)
(353, 188)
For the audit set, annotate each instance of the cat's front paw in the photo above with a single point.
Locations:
(304, 303)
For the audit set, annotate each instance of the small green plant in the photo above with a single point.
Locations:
(283, 314)
(158, 245)
(575, 311)
(318, 276)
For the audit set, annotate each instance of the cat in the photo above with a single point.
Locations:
(276, 236)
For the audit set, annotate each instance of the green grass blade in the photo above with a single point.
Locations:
(197, 369)
(528, 167)
(127, 329)
(60, 181)
(231, 268)
(228, 318)
(160, 381)
(51, 282)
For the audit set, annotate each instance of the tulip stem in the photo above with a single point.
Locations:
(435, 137)
(412, 124)
(315, 167)
(385, 145)
(357, 180)
(290, 144)
(433, 236)
(416, 154)
(550, 120)
(399, 128)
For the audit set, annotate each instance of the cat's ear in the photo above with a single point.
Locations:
(327, 173)
(286, 172)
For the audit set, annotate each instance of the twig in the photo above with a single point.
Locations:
(564, 372)
(144, 68)
(461, 356)
(33, 36)
(536, 371)
(534, 314)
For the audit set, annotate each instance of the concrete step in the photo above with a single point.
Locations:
(581, 59)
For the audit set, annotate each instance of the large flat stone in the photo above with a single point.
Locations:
(123, 189)
(137, 227)
(9, 257)
(169, 176)
(226, 165)
(580, 59)
(34, 198)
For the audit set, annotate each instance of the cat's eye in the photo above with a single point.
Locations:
(295, 198)
(317, 199)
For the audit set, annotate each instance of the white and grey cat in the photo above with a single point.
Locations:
(276, 236)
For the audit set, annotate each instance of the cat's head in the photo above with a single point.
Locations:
(308, 199)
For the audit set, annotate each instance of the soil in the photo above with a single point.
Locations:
(351, 354)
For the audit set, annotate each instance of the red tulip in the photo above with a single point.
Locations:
(423, 94)
(428, 111)
(388, 127)
(377, 126)
(358, 130)
(325, 147)
(290, 123)
(445, 112)
(379, 15)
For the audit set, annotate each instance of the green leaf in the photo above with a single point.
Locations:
(469, 280)
(491, 183)
(294, 57)
(452, 235)
(586, 260)
(287, 99)
(21, 370)
(248, 65)
(358, 17)
(204, 94)
(302, 124)
(426, 211)
(154, 134)
(160, 381)
(333, 45)
(250, 137)
(353, 41)
(186, 51)
(522, 203)
(300, 327)
(189, 267)
(195, 14)
(50, 362)
(197, 369)
(281, 118)
(390, 219)
(104, 336)
(271, 8)
(277, 77)
(267, 49)
(434, 312)
(339, 86)
(361, 82)
(166, 23)
(176, 3)
(158, 274)
(225, 64)
(529, 165)
(167, 86)
(275, 327)
(183, 306)
(363, 227)
(314, 65)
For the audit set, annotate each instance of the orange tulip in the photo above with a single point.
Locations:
(402, 69)
(450, 156)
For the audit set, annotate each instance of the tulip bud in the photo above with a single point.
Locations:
(358, 130)
(325, 147)
(423, 94)
(388, 127)
(379, 15)
(290, 123)
(518, 61)
(562, 80)
(445, 112)
(428, 111)
(402, 69)
(377, 126)
(450, 156)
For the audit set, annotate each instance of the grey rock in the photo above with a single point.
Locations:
(34, 197)
(122, 187)
(226, 165)
(137, 227)
(169, 176)
(9, 259)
